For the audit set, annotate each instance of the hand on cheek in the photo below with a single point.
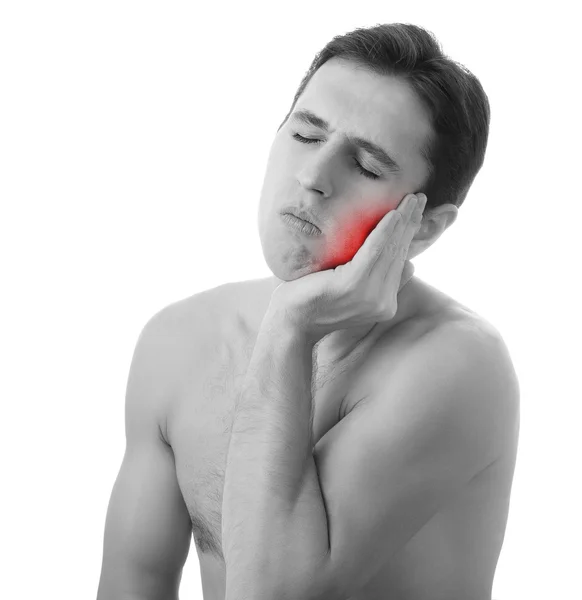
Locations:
(349, 235)
(365, 288)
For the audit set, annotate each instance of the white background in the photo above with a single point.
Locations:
(117, 200)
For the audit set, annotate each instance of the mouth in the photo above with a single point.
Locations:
(301, 225)
(304, 216)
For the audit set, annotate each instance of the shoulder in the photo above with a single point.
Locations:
(458, 387)
(473, 345)
(468, 355)
(191, 317)
(448, 323)
(473, 338)
(188, 329)
(224, 312)
(174, 341)
(457, 371)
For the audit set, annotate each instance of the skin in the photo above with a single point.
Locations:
(192, 358)
(323, 177)
(361, 292)
(276, 481)
(272, 493)
(275, 523)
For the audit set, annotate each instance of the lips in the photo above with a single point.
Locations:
(304, 215)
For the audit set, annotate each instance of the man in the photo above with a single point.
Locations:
(341, 429)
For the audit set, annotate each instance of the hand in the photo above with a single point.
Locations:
(362, 291)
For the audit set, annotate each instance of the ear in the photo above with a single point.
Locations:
(434, 223)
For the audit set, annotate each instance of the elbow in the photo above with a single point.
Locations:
(111, 590)
(282, 582)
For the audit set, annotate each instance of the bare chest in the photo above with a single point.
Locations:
(199, 423)
(200, 420)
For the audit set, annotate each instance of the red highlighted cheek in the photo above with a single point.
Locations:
(350, 233)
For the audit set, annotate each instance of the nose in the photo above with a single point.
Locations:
(314, 180)
(315, 174)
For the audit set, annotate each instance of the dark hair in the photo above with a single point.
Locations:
(457, 104)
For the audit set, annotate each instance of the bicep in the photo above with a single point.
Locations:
(147, 528)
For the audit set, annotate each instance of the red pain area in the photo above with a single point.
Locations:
(351, 232)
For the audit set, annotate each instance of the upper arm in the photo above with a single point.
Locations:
(147, 528)
(404, 452)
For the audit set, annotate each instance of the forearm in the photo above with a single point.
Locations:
(274, 526)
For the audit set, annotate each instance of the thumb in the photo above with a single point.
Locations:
(407, 273)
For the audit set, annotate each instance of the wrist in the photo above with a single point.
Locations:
(282, 323)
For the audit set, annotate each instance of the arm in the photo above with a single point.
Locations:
(318, 525)
(270, 477)
(147, 529)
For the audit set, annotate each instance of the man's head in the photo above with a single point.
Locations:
(388, 88)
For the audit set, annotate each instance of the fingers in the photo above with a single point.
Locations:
(399, 244)
(411, 228)
(390, 239)
(396, 245)
(386, 232)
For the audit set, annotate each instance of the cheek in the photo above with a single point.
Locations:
(349, 235)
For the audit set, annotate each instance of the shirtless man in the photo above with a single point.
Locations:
(341, 429)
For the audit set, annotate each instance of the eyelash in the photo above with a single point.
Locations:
(361, 169)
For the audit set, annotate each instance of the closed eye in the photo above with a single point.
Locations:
(361, 169)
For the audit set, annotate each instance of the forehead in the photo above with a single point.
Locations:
(381, 108)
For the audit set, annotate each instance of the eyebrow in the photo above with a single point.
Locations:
(310, 118)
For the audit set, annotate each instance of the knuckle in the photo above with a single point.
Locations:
(388, 310)
(350, 286)
(370, 304)
(376, 251)
(383, 308)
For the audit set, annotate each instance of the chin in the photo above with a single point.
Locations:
(288, 264)
(288, 259)
(284, 271)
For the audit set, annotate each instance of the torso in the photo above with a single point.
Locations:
(457, 549)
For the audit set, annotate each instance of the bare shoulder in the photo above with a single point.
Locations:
(476, 350)
(192, 326)
(219, 315)
(474, 333)
(175, 341)
(457, 345)
(456, 369)
(452, 322)
(194, 317)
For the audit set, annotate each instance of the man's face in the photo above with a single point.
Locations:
(323, 178)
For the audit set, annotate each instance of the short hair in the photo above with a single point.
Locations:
(456, 102)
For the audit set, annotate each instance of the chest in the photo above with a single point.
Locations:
(200, 420)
